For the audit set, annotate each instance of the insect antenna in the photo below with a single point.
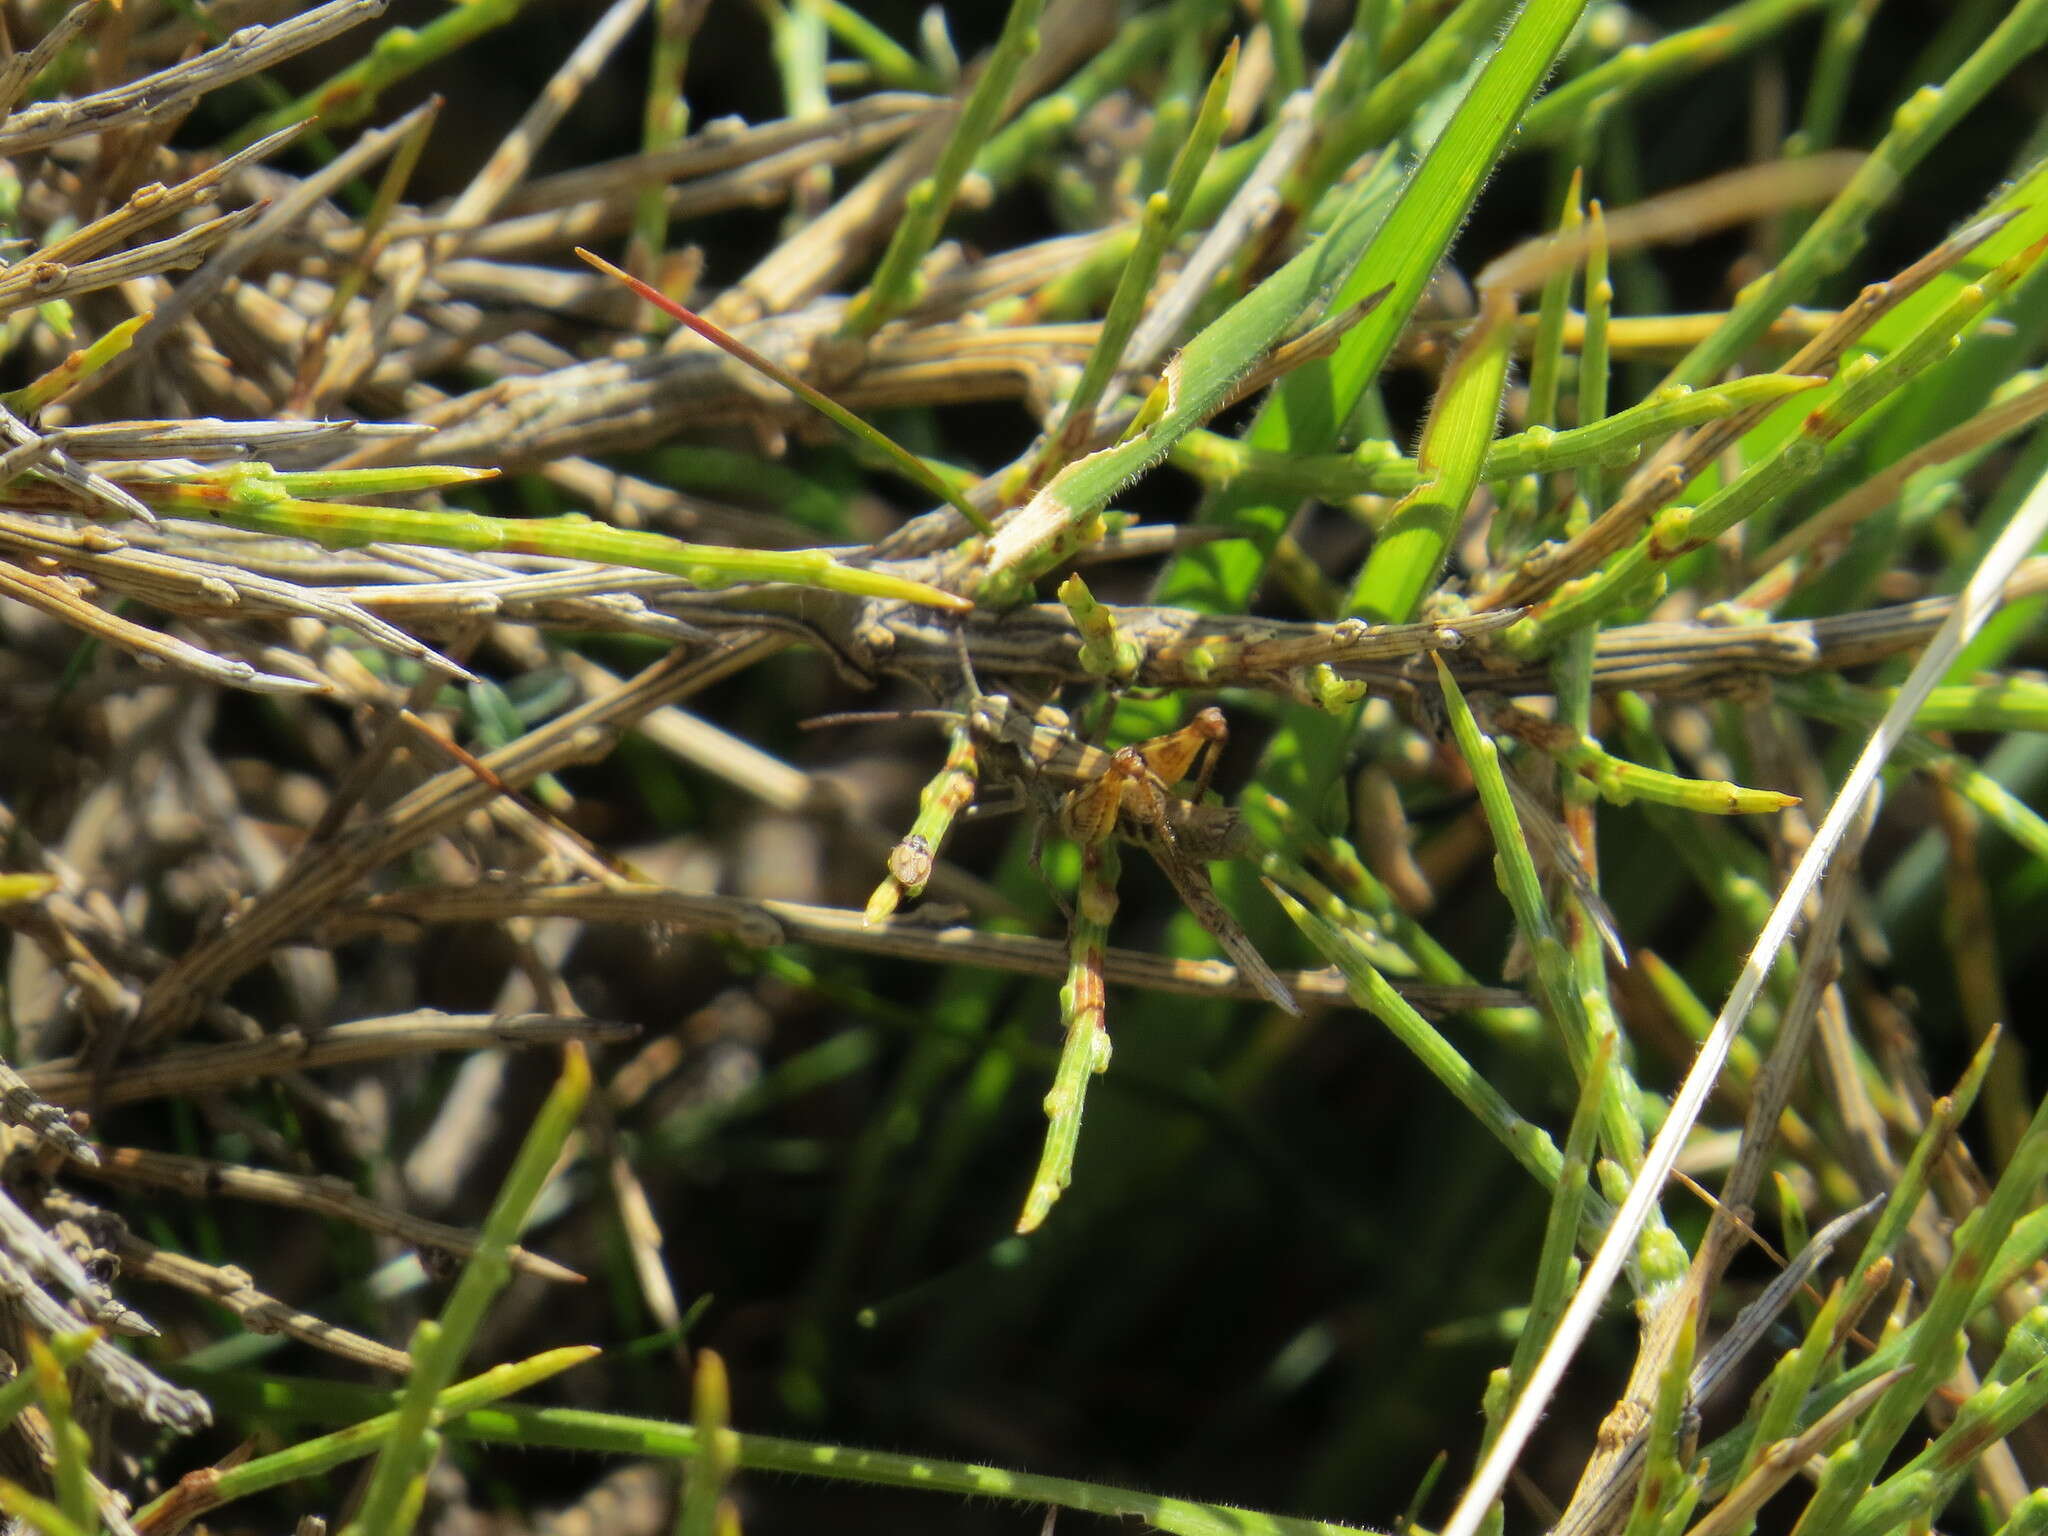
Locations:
(966, 663)
(877, 717)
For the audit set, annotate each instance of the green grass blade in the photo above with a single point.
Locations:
(43, 1517)
(1846, 1500)
(1194, 386)
(854, 426)
(311, 1458)
(894, 66)
(710, 1416)
(70, 1445)
(1862, 383)
(351, 95)
(76, 367)
(1516, 871)
(1557, 1267)
(1620, 782)
(1555, 119)
(439, 1345)
(1310, 408)
(939, 805)
(624, 1435)
(1526, 1142)
(664, 119)
(1036, 131)
(1377, 467)
(1411, 547)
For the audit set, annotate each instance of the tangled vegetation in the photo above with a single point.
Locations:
(485, 981)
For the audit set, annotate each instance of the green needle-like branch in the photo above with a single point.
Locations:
(911, 465)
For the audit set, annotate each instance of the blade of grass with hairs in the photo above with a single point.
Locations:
(1193, 387)
(1411, 228)
(1403, 242)
(1416, 538)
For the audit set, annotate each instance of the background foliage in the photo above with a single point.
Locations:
(393, 740)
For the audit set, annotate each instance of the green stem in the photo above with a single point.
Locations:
(1835, 237)
(254, 497)
(895, 284)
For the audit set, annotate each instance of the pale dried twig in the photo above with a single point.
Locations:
(327, 1196)
(767, 924)
(207, 1068)
(226, 1285)
(245, 53)
(124, 1379)
(258, 1312)
(258, 228)
(54, 597)
(310, 886)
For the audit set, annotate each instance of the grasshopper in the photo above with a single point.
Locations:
(1096, 798)
(1091, 795)
(1130, 794)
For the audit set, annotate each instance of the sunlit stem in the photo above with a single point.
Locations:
(1104, 651)
(943, 799)
(1084, 1012)
(1620, 782)
(77, 366)
(256, 498)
